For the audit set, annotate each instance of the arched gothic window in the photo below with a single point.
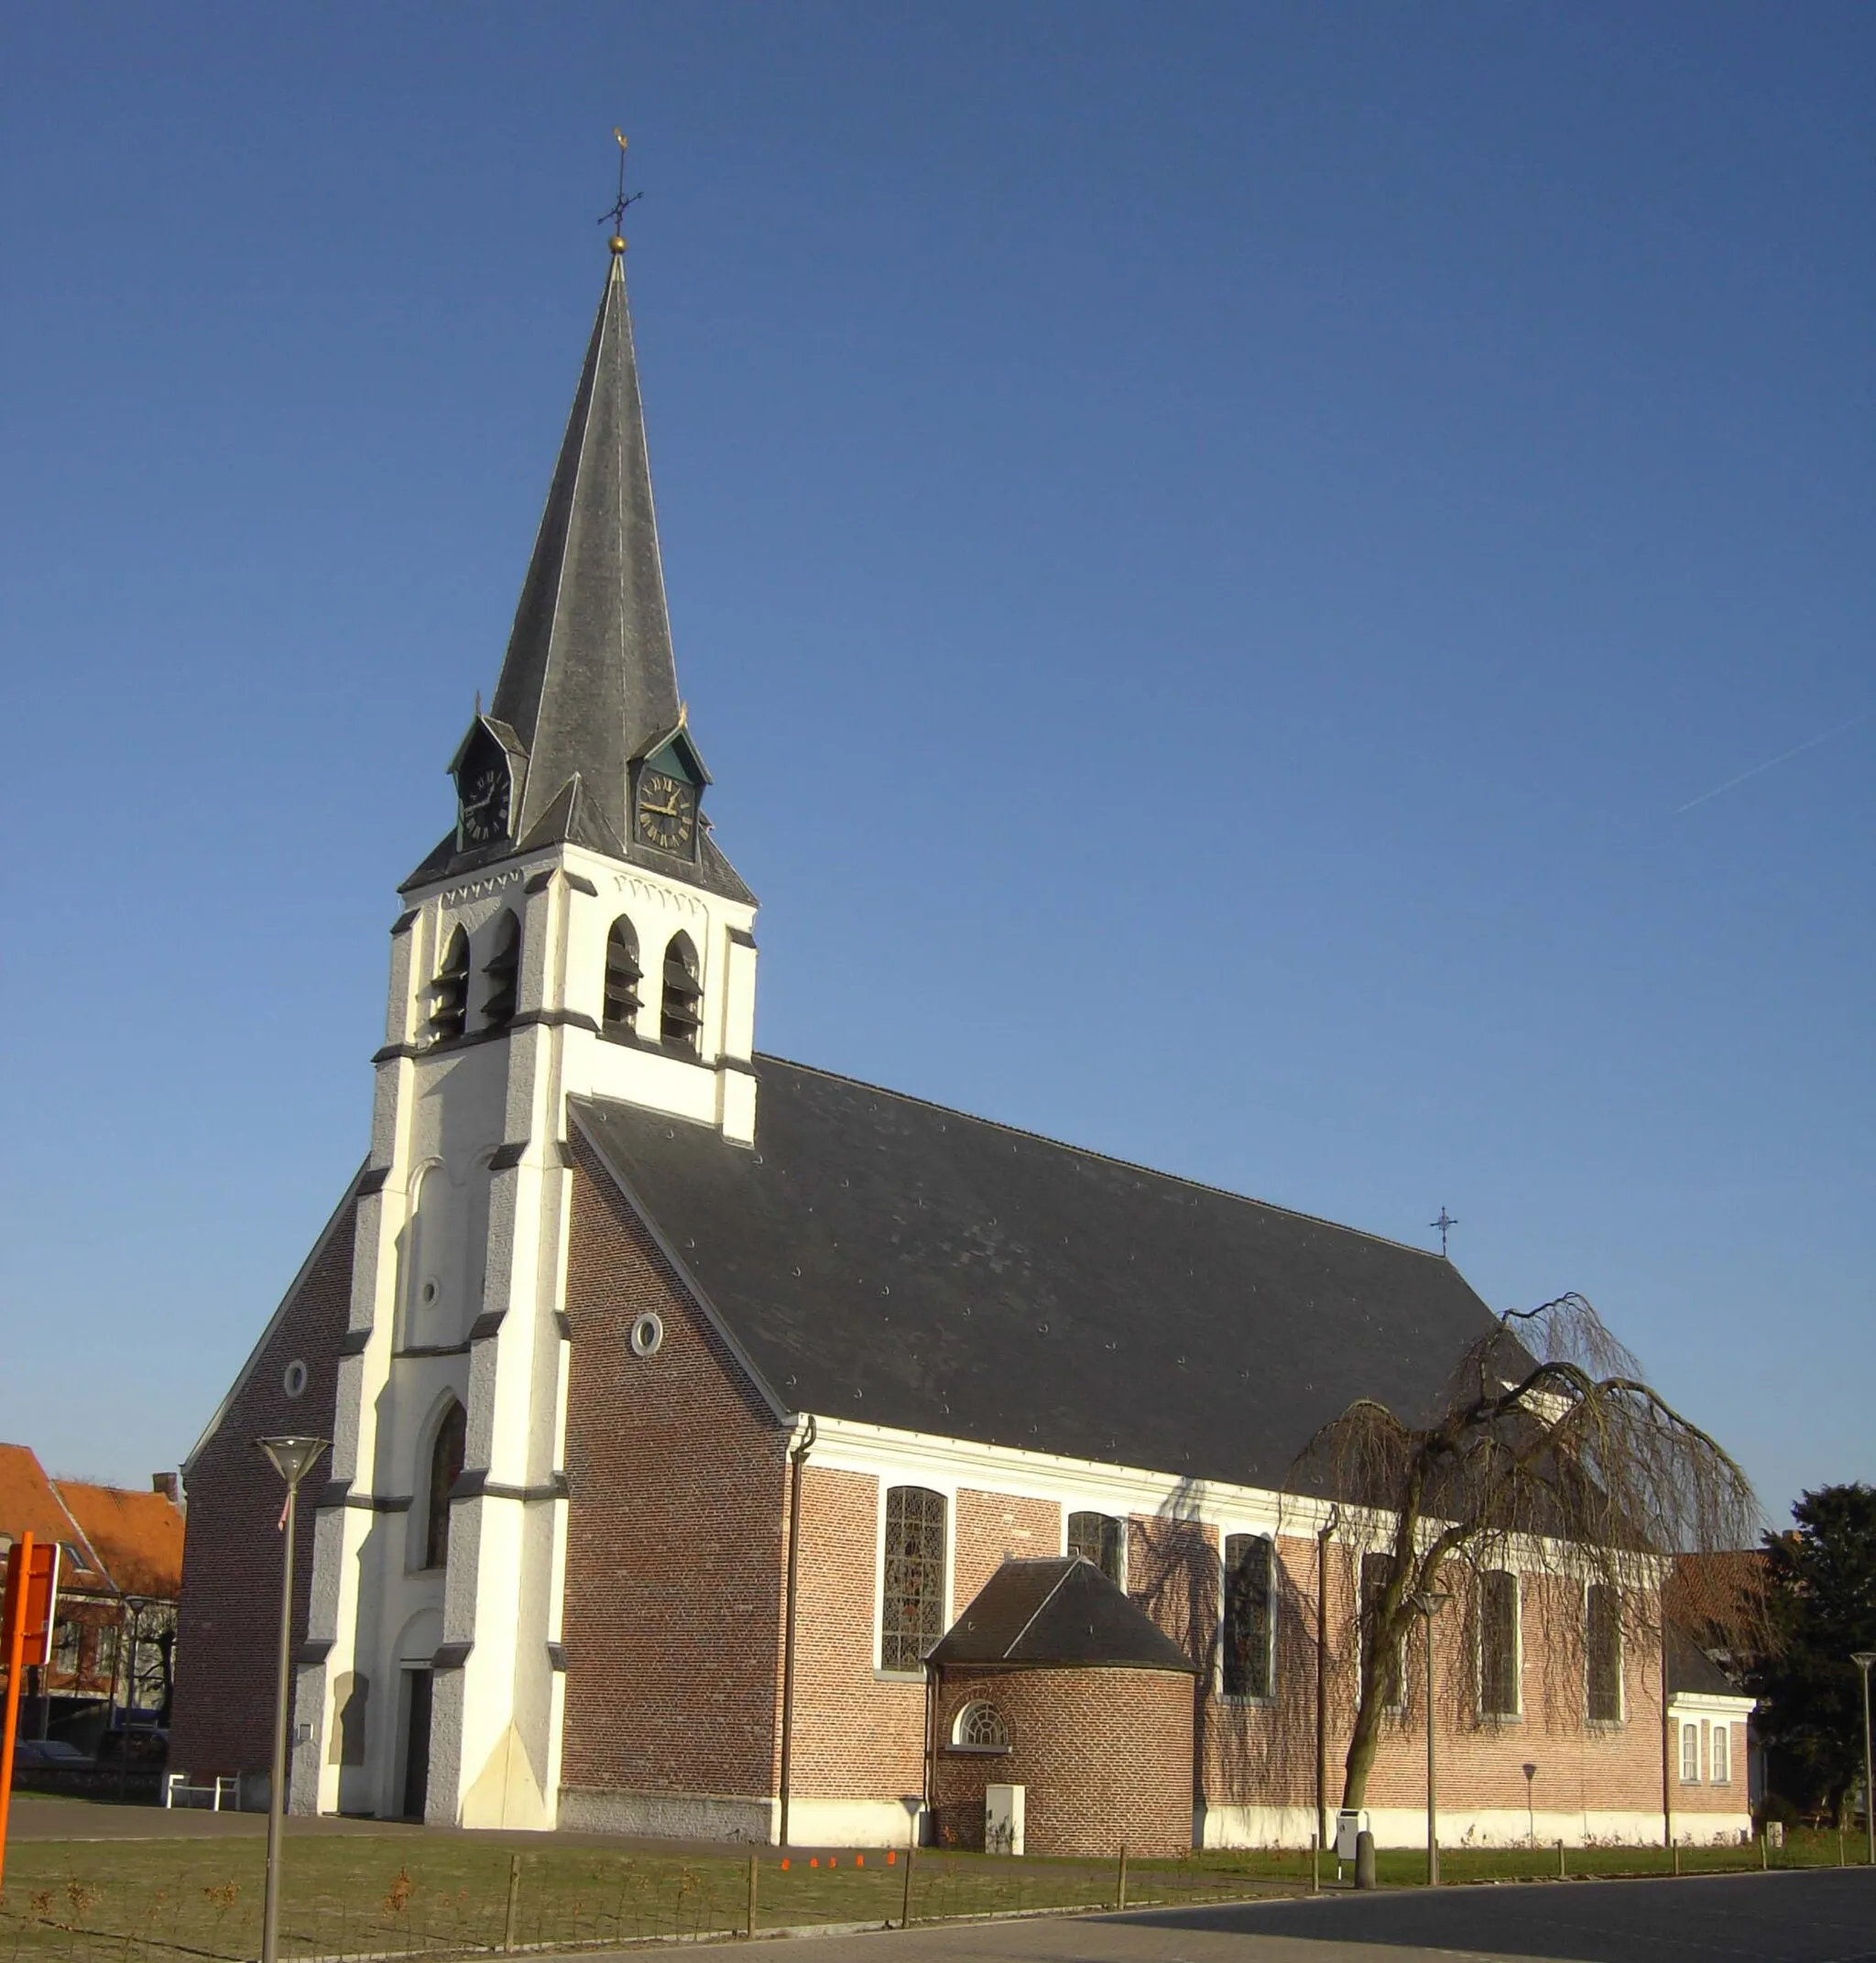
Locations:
(449, 993)
(1497, 1643)
(620, 1013)
(1249, 1624)
(502, 971)
(1603, 1612)
(681, 1011)
(913, 1597)
(1096, 1537)
(980, 1727)
(445, 1469)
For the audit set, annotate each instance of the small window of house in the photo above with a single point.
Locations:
(913, 1598)
(68, 1641)
(1098, 1537)
(501, 974)
(449, 993)
(1249, 1623)
(445, 1469)
(1604, 1638)
(980, 1727)
(680, 1013)
(1376, 1572)
(70, 1553)
(619, 1015)
(1720, 1755)
(1690, 1755)
(1498, 1644)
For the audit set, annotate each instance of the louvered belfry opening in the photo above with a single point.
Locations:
(502, 972)
(682, 1012)
(449, 993)
(623, 975)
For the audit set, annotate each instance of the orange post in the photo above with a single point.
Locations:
(19, 1568)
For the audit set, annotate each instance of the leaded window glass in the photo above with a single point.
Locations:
(1248, 1622)
(1098, 1537)
(1604, 1633)
(1498, 1644)
(912, 1599)
(980, 1727)
(1376, 1572)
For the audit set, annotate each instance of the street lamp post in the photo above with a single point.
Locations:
(1863, 1659)
(292, 1459)
(1429, 1602)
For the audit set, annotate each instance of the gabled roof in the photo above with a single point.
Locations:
(137, 1535)
(29, 1502)
(881, 1259)
(1057, 1614)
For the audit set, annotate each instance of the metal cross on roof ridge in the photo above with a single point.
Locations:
(1445, 1222)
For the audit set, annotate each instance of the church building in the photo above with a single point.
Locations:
(725, 1447)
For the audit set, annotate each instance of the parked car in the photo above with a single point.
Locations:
(49, 1755)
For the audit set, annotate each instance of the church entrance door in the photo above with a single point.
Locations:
(417, 1746)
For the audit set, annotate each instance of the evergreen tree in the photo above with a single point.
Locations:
(1821, 1587)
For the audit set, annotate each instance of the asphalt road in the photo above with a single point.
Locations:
(1823, 1916)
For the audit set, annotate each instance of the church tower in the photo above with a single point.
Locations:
(577, 933)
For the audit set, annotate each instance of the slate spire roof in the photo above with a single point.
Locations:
(1056, 1614)
(588, 685)
(589, 679)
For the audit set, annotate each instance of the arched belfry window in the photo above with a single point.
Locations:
(445, 1469)
(502, 971)
(623, 974)
(681, 1014)
(449, 993)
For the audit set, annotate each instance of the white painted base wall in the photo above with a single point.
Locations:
(1403, 1827)
(675, 1816)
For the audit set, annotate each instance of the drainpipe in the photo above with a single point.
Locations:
(797, 1459)
(1322, 1673)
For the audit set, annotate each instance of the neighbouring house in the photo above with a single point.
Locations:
(688, 1405)
(120, 1581)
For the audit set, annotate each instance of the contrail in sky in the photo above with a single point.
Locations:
(1772, 763)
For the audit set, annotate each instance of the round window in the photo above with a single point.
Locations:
(648, 1334)
(293, 1378)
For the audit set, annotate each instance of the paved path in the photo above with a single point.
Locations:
(1826, 1915)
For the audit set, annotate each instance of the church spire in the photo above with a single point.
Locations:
(588, 682)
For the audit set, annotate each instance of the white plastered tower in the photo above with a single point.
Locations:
(578, 934)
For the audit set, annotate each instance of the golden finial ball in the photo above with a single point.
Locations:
(617, 242)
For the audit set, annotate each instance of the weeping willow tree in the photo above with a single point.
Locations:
(1550, 1454)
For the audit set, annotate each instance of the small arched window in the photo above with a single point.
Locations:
(445, 1469)
(502, 971)
(619, 1015)
(682, 1012)
(980, 1727)
(1096, 1537)
(449, 993)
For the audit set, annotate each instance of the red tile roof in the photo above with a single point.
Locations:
(138, 1536)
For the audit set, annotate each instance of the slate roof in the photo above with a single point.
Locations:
(1691, 1670)
(589, 681)
(1058, 1614)
(885, 1259)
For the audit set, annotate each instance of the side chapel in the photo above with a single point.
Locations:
(725, 1447)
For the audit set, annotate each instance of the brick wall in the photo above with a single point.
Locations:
(856, 1735)
(992, 1527)
(228, 1625)
(1104, 1757)
(673, 1615)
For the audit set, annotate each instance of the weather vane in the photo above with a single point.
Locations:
(622, 203)
(1445, 1222)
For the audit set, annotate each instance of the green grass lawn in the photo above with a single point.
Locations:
(365, 1894)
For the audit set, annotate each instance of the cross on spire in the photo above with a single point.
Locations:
(620, 205)
(1444, 1223)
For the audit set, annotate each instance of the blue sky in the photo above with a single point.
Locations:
(1213, 551)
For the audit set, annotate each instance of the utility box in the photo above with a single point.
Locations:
(1003, 1819)
(1349, 1824)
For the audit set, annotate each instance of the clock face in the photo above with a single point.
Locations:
(483, 792)
(667, 811)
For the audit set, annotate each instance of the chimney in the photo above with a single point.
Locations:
(164, 1483)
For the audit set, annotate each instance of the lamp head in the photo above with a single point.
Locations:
(1863, 1659)
(1529, 1770)
(293, 1457)
(1430, 1601)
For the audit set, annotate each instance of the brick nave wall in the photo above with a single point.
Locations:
(228, 1625)
(674, 1577)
